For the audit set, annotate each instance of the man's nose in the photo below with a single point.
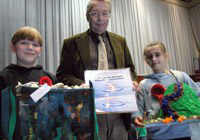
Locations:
(100, 16)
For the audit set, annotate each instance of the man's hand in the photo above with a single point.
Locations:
(138, 122)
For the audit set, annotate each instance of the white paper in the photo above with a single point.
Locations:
(40, 92)
(113, 90)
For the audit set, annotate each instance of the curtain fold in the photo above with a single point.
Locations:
(194, 16)
(139, 21)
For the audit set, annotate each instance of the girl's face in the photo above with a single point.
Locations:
(27, 52)
(156, 59)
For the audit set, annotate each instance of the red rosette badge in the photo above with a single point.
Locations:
(45, 80)
(158, 91)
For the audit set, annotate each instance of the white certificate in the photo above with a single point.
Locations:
(113, 90)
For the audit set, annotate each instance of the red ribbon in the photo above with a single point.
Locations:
(158, 91)
(44, 80)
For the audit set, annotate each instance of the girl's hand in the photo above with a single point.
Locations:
(136, 86)
(138, 121)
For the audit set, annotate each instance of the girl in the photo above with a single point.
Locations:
(156, 57)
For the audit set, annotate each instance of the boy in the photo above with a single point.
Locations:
(26, 43)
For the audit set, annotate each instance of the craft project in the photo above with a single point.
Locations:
(180, 100)
(66, 114)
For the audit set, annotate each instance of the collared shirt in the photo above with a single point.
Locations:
(94, 41)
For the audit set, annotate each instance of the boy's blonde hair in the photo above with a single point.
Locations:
(155, 43)
(29, 33)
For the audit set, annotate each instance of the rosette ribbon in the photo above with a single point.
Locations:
(158, 91)
(45, 80)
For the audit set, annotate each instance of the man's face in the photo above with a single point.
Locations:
(98, 17)
(27, 52)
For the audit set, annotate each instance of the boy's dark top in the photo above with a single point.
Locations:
(11, 74)
(14, 73)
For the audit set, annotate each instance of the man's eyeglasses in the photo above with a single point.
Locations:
(96, 14)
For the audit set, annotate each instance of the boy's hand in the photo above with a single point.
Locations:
(138, 121)
(84, 85)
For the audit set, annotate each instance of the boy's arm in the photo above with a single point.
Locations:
(2, 86)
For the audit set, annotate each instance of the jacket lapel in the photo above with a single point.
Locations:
(118, 53)
(84, 49)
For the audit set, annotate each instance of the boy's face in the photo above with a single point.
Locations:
(156, 59)
(27, 52)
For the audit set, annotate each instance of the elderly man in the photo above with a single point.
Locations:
(97, 49)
